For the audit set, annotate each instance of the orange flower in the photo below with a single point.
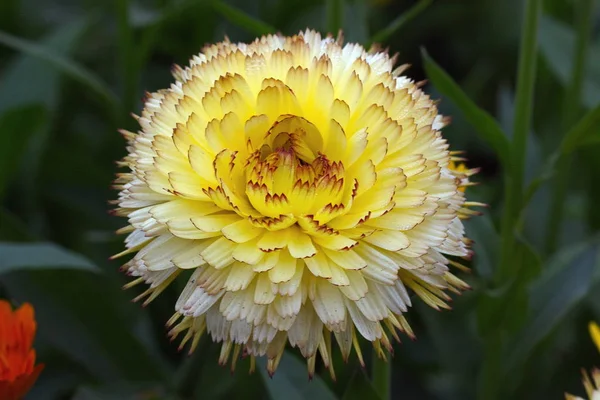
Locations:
(18, 371)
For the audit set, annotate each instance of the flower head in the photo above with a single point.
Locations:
(18, 371)
(591, 383)
(595, 334)
(306, 186)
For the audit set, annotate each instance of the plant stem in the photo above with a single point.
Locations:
(335, 15)
(571, 111)
(381, 376)
(523, 111)
(510, 262)
(491, 370)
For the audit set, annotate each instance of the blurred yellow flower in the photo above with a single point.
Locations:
(595, 333)
(306, 186)
(591, 384)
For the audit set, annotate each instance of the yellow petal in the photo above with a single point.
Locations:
(202, 163)
(340, 112)
(389, 240)
(335, 145)
(356, 147)
(214, 223)
(398, 219)
(351, 91)
(273, 240)
(364, 173)
(241, 231)
(254, 131)
(185, 229)
(300, 244)
(218, 254)
(334, 242)
(347, 259)
(181, 209)
(267, 262)
(285, 268)
(357, 289)
(187, 185)
(248, 253)
(191, 257)
(338, 275)
(319, 265)
(275, 101)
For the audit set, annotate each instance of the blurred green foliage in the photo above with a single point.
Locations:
(71, 72)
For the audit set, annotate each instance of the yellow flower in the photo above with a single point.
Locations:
(595, 334)
(591, 384)
(462, 173)
(306, 186)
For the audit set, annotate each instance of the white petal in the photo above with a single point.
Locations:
(369, 329)
(329, 305)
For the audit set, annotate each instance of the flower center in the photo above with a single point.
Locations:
(289, 175)
(295, 134)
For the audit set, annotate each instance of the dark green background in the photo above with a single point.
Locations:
(71, 72)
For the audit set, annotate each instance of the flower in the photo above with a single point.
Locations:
(306, 186)
(18, 371)
(591, 384)
(595, 334)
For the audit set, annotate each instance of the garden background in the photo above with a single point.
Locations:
(72, 71)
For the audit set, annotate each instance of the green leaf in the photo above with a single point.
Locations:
(334, 10)
(19, 256)
(506, 308)
(486, 126)
(586, 131)
(548, 172)
(564, 283)
(121, 391)
(26, 81)
(400, 21)
(63, 64)
(12, 228)
(485, 246)
(506, 114)
(448, 334)
(16, 127)
(356, 22)
(557, 44)
(56, 381)
(243, 20)
(291, 382)
(91, 321)
(360, 388)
